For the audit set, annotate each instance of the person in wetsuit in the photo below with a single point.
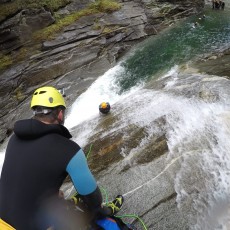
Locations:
(222, 5)
(38, 158)
(104, 107)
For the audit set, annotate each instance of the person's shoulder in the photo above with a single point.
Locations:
(64, 142)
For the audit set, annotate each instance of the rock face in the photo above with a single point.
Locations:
(78, 55)
(18, 30)
(216, 64)
(160, 181)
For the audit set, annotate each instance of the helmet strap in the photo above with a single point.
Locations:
(43, 111)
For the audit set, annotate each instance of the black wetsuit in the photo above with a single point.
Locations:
(38, 158)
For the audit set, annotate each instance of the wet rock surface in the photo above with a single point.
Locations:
(135, 162)
(80, 53)
(215, 64)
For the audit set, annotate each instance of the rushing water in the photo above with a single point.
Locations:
(197, 131)
(175, 46)
(152, 58)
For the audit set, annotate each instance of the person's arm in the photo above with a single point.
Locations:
(86, 186)
(84, 182)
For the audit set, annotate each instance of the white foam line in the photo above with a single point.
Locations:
(171, 163)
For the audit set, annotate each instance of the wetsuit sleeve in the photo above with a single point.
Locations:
(83, 180)
(80, 174)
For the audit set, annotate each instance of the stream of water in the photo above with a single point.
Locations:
(152, 58)
(198, 131)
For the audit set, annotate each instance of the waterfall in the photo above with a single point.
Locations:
(149, 84)
(197, 132)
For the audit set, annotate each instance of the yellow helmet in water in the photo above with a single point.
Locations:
(47, 96)
(103, 105)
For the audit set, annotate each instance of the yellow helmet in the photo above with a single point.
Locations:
(47, 96)
(103, 105)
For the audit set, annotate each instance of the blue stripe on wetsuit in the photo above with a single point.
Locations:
(82, 178)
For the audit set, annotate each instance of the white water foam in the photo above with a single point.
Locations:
(87, 104)
(196, 131)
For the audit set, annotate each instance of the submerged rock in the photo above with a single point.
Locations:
(215, 65)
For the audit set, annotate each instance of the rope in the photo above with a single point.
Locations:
(171, 163)
(106, 199)
(90, 148)
(136, 217)
(137, 188)
(125, 215)
(106, 195)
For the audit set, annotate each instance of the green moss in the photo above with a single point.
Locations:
(17, 57)
(99, 6)
(165, 9)
(19, 94)
(50, 31)
(106, 6)
(109, 29)
(5, 61)
(11, 8)
(96, 26)
(8, 9)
